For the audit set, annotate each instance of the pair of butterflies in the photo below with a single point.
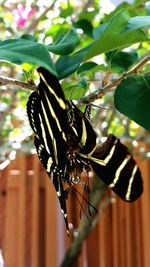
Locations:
(66, 145)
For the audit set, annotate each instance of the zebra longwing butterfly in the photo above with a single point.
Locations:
(66, 144)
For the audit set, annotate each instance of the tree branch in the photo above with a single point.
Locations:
(91, 97)
(85, 228)
(11, 81)
(108, 87)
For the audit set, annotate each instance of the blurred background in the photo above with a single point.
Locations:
(32, 231)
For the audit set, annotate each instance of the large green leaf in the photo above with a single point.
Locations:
(121, 60)
(113, 35)
(137, 22)
(132, 98)
(19, 51)
(65, 44)
(110, 36)
(66, 65)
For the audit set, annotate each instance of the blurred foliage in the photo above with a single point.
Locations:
(90, 44)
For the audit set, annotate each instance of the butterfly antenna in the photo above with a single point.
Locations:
(86, 192)
(96, 210)
(79, 202)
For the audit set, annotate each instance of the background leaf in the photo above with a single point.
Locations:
(65, 44)
(66, 65)
(86, 67)
(76, 91)
(137, 22)
(113, 36)
(132, 98)
(19, 51)
(85, 25)
(121, 60)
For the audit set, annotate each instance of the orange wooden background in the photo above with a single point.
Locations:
(32, 231)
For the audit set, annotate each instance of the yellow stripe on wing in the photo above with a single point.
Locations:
(50, 133)
(117, 174)
(59, 100)
(55, 117)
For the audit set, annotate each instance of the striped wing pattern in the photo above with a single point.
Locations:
(82, 128)
(121, 172)
(59, 126)
(47, 114)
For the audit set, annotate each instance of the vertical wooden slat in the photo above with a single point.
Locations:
(128, 236)
(145, 200)
(11, 234)
(74, 208)
(3, 197)
(35, 214)
(21, 219)
(93, 242)
(102, 240)
(122, 235)
(51, 226)
(115, 234)
(138, 234)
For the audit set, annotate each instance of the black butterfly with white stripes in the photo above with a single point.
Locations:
(66, 145)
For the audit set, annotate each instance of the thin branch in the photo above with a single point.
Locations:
(108, 87)
(85, 228)
(11, 81)
(91, 97)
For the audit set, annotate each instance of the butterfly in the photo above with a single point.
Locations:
(66, 145)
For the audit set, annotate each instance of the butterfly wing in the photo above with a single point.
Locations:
(82, 128)
(116, 167)
(46, 110)
(56, 178)
(53, 117)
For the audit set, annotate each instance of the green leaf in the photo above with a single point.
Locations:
(121, 60)
(133, 10)
(137, 22)
(86, 67)
(85, 25)
(66, 65)
(29, 37)
(132, 98)
(82, 83)
(57, 29)
(76, 91)
(19, 51)
(98, 31)
(113, 36)
(66, 12)
(65, 44)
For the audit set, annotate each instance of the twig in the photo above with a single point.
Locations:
(11, 81)
(85, 228)
(108, 87)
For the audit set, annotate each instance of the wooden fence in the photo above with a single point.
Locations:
(32, 231)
